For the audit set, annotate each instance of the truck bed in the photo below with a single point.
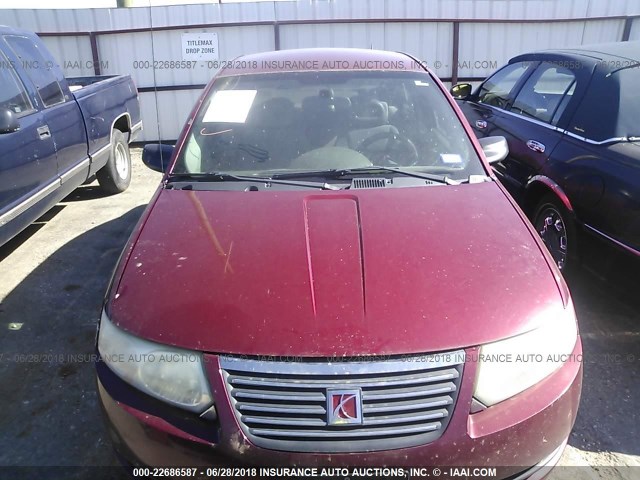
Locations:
(102, 97)
(77, 83)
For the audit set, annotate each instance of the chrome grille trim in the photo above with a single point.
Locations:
(340, 366)
(390, 381)
(391, 419)
(267, 396)
(408, 392)
(281, 409)
(345, 434)
(283, 405)
(399, 407)
(307, 422)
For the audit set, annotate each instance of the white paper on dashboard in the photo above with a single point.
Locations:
(230, 106)
(451, 158)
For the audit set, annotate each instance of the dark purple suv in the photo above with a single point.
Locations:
(570, 118)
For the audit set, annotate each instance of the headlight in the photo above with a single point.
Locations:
(508, 367)
(173, 375)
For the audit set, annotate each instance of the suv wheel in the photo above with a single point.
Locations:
(553, 222)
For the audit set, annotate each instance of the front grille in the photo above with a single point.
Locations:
(283, 405)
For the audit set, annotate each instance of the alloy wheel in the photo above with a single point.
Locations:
(551, 227)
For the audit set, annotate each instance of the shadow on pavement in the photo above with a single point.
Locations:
(8, 248)
(49, 413)
(606, 296)
(86, 192)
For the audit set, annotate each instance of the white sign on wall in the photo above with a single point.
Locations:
(200, 46)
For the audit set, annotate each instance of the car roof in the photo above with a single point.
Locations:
(7, 30)
(321, 59)
(627, 50)
(608, 55)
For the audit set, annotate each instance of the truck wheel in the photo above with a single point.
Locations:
(553, 222)
(115, 176)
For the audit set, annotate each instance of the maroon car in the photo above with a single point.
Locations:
(330, 274)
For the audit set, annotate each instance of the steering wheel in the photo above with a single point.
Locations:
(374, 114)
(495, 99)
(398, 150)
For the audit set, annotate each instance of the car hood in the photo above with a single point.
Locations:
(300, 273)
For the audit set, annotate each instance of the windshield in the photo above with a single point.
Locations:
(264, 124)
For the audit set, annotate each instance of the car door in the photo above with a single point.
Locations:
(28, 169)
(598, 162)
(61, 112)
(530, 123)
(495, 93)
(602, 182)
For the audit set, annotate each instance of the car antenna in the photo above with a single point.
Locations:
(155, 83)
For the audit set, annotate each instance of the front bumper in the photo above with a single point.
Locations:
(521, 434)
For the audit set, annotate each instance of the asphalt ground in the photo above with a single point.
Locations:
(52, 280)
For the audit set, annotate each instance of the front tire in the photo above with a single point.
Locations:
(115, 176)
(555, 226)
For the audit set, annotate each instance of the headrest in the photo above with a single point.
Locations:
(325, 105)
(274, 112)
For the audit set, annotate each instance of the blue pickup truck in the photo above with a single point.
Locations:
(57, 133)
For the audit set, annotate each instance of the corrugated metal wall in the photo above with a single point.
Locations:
(489, 32)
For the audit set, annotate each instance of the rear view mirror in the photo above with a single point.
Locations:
(495, 149)
(157, 156)
(461, 91)
(8, 121)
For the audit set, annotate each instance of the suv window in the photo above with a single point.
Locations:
(546, 93)
(13, 96)
(38, 68)
(496, 90)
(610, 108)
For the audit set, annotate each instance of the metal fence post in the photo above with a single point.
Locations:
(626, 33)
(94, 53)
(276, 35)
(455, 53)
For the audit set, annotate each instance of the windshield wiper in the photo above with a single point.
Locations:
(337, 173)
(228, 177)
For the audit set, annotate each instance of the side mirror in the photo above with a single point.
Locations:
(461, 91)
(495, 149)
(8, 121)
(157, 156)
